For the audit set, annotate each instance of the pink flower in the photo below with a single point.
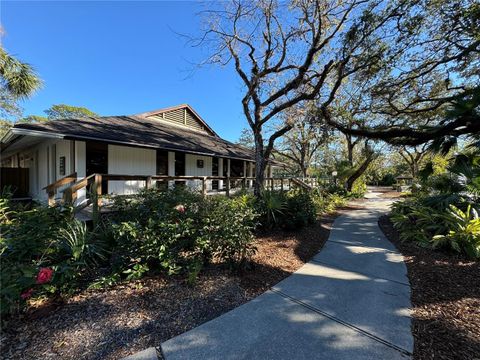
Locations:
(44, 275)
(26, 294)
(180, 208)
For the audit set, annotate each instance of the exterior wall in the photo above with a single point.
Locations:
(79, 157)
(43, 160)
(191, 169)
(124, 160)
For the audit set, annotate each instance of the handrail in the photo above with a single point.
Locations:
(65, 180)
(51, 189)
(80, 183)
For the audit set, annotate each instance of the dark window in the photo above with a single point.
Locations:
(236, 168)
(214, 166)
(97, 161)
(179, 164)
(62, 165)
(162, 162)
(215, 173)
(225, 167)
(200, 164)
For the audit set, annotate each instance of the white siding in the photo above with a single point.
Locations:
(80, 159)
(191, 169)
(171, 167)
(124, 160)
(41, 171)
(80, 167)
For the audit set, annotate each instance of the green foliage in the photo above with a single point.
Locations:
(438, 226)
(271, 205)
(289, 210)
(300, 210)
(63, 111)
(227, 230)
(463, 234)
(327, 203)
(42, 237)
(359, 188)
(178, 230)
(388, 180)
(18, 78)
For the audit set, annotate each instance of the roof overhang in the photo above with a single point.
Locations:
(15, 134)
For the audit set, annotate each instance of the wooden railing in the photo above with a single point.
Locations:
(53, 187)
(93, 184)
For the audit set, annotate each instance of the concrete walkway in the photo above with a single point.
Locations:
(350, 302)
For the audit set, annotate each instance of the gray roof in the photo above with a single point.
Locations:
(141, 131)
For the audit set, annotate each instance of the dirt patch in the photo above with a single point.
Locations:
(445, 299)
(116, 322)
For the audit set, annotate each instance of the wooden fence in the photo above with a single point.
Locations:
(17, 179)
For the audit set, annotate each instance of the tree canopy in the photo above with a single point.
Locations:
(63, 111)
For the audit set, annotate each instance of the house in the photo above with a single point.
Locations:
(173, 141)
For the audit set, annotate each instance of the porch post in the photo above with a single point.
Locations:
(171, 168)
(98, 185)
(244, 181)
(220, 173)
(228, 177)
(204, 186)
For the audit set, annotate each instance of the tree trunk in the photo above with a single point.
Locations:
(260, 165)
(359, 172)
(304, 171)
(350, 146)
(413, 168)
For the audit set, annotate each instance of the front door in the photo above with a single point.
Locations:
(97, 160)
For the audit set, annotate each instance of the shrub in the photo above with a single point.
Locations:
(179, 230)
(291, 210)
(40, 238)
(300, 210)
(429, 226)
(271, 206)
(228, 226)
(463, 234)
(359, 188)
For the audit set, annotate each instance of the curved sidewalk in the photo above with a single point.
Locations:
(351, 301)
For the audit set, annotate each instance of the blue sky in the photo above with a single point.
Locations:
(119, 57)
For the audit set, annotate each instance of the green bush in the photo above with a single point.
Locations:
(437, 227)
(359, 188)
(271, 206)
(290, 210)
(327, 203)
(463, 234)
(178, 230)
(42, 238)
(227, 229)
(300, 210)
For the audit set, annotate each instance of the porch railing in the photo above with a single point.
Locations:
(93, 183)
(52, 189)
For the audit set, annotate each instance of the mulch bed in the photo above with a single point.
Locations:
(129, 317)
(445, 299)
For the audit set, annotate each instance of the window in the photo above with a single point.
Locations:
(200, 163)
(179, 164)
(162, 162)
(62, 165)
(215, 172)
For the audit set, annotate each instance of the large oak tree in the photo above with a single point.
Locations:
(286, 53)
